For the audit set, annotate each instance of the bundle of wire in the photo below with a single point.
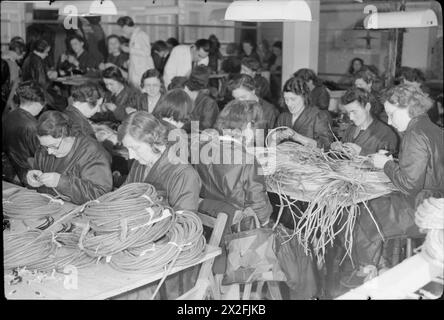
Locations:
(183, 245)
(129, 217)
(332, 184)
(429, 217)
(43, 252)
(26, 204)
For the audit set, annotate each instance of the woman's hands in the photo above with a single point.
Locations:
(348, 146)
(37, 178)
(380, 159)
(33, 178)
(130, 110)
(109, 106)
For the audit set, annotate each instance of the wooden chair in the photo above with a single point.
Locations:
(206, 286)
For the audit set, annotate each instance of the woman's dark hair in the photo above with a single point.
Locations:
(214, 41)
(366, 75)
(237, 114)
(55, 124)
(17, 46)
(159, 45)
(411, 74)
(242, 81)
(173, 42)
(125, 21)
(251, 63)
(298, 86)
(177, 83)
(406, 96)
(40, 45)
(77, 37)
(30, 91)
(113, 73)
(232, 48)
(203, 44)
(307, 75)
(251, 42)
(153, 73)
(89, 92)
(146, 128)
(175, 104)
(17, 38)
(350, 69)
(113, 36)
(278, 44)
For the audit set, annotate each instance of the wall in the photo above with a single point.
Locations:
(12, 21)
(339, 43)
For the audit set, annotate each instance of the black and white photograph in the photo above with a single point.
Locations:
(222, 154)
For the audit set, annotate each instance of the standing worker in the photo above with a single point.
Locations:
(139, 50)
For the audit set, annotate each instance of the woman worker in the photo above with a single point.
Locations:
(367, 135)
(306, 123)
(86, 102)
(157, 162)
(152, 88)
(68, 163)
(418, 174)
(174, 108)
(234, 185)
(121, 100)
(243, 88)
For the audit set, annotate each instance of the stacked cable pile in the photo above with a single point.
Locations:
(26, 204)
(332, 183)
(429, 217)
(43, 251)
(132, 227)
(128, 217)
(183, 245)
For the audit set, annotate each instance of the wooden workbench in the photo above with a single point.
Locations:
(93, 283)
(96, 282)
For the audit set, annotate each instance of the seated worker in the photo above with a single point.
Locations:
(86, 102)
(19, 128)
(243, 88)
(80, 60)
(418, 174)
(236, 185)
(318, 92)
(152, 88)
(250, 66)
(415, 77)
(116, 57)
(205, 108)
(365, 79)
(174, 108)
(35, 68)
(121, 98)
(307, 124)
(367, 135)
(146, 139)
(68, 163)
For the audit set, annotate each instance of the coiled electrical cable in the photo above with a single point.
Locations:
(26, 204)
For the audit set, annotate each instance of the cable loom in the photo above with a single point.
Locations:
(333, 183)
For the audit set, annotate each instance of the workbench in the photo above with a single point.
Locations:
(95, 282)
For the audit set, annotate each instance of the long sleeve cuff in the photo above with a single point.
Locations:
(389, 167)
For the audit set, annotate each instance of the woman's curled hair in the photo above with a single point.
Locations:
(407, 96)
(145, 127)
(55, 124)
